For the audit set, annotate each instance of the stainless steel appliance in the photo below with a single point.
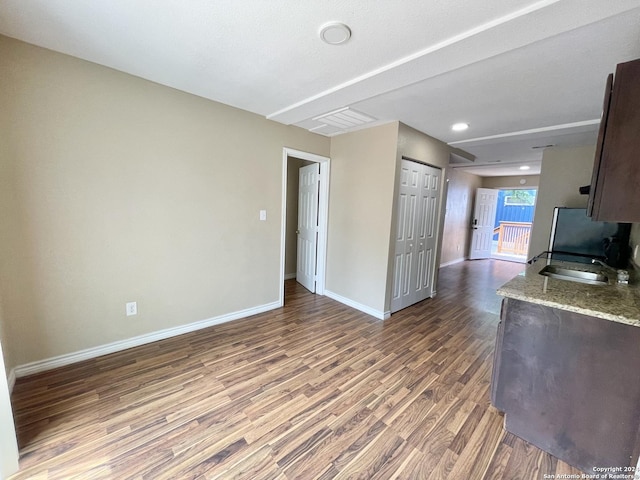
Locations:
(576, 238)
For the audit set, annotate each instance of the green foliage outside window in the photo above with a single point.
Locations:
(519, 197)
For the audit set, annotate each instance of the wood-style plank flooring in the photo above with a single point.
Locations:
(312, 390)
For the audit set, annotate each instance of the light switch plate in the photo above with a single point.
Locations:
(263, 215)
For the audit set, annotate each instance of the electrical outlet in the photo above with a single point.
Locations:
(132, 308)
(263, 215)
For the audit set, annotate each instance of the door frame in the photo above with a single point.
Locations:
(9, 454)
(323, 216)
(497, 256)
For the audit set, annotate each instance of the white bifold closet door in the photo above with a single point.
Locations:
(416, 239)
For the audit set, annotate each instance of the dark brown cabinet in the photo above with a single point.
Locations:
(616, 171)
(569, 384)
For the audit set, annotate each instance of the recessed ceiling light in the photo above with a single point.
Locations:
(335, 33)
(525, 167)
(459, 127)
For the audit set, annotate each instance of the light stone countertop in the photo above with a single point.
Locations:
(618, 303)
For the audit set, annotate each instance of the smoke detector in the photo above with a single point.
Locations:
(335, 33)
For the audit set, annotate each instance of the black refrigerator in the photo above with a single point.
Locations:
(574, 232)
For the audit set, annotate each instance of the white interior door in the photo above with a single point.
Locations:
(416, 234)
(307, 226)
(484, 217)
(403, 263)
(427, 231)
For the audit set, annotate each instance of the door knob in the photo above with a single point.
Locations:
(298, 232)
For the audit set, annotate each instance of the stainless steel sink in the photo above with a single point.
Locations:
(581, 276)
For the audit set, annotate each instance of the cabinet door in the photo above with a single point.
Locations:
(570, 384)
(614, 193)
(496, 399)
(597, 163)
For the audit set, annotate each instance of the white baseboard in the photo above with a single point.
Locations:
(358, 306)
(69, 358)
(11, 379)
(453, 262)
(289, 276)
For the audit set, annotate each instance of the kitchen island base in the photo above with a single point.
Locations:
(569, 384)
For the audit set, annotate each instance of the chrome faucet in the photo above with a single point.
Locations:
(599, 262)
(622, 275)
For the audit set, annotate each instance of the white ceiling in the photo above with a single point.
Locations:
(522, 73)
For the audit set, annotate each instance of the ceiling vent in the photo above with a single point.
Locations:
(325, 129)
(344, 119)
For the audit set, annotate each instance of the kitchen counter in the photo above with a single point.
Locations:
(614, 302)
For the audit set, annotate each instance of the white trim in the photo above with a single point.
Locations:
(414, 56)
(323, 216)
(11, 379)
(358, 306)
(89, 353)
(453, 262)
(289, 276)
(551, 128)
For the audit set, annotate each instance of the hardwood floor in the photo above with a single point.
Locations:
(312, 390)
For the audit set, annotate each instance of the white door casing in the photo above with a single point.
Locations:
(323, 214)
(484, 217)
(307, 232)
(8, 444)
(416, 234)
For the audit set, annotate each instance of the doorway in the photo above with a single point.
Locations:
(292, 161)
(512, 227)
(502, 223)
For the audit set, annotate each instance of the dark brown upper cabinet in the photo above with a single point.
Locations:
(615, 184)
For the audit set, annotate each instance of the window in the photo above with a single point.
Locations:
(519, 197)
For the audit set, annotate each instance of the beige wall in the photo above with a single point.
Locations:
(456, 237)
(363, 166)
(116, 189)
(511, 182)
(290, 260)
(564, 170)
